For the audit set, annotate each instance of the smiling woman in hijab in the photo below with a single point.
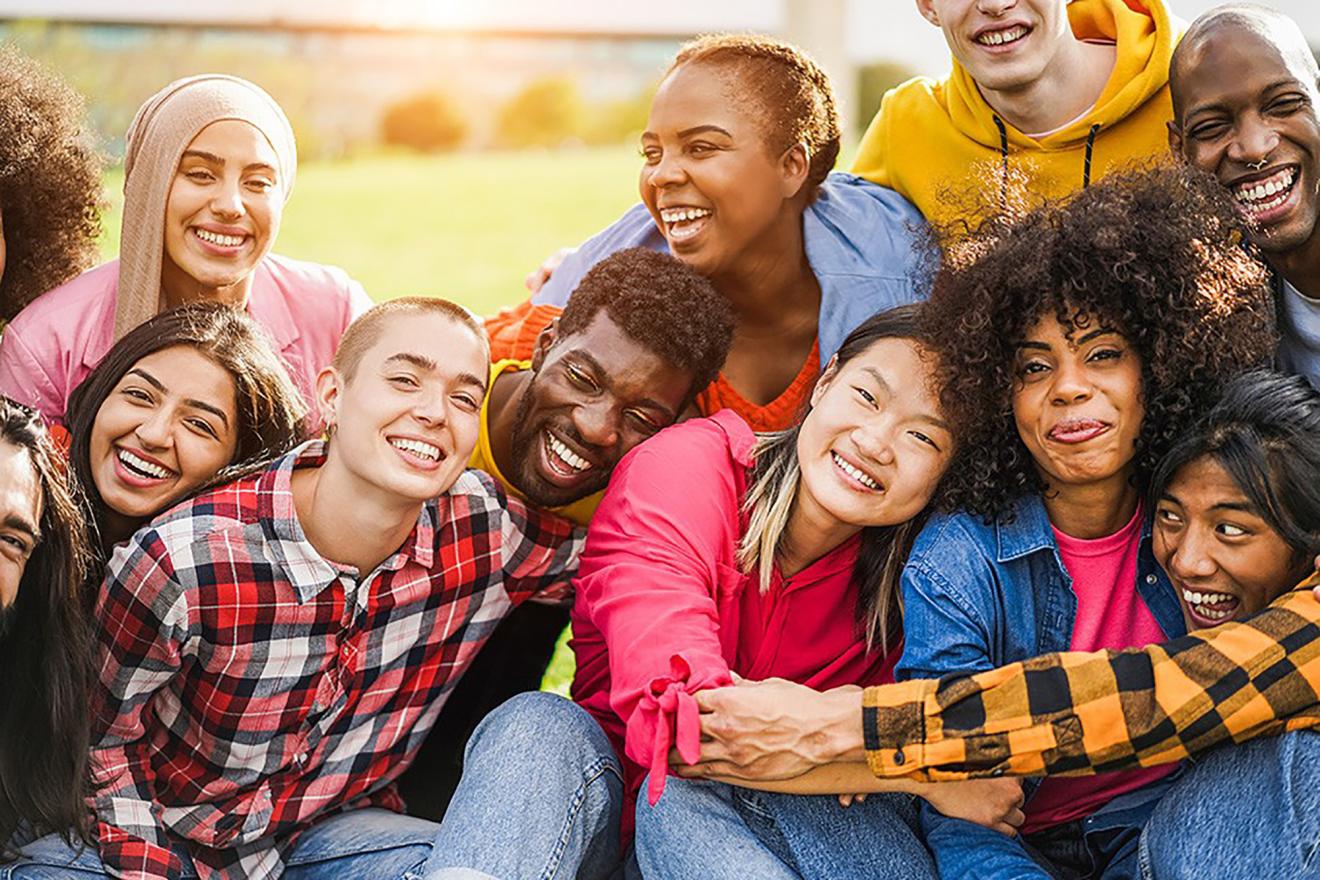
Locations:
(209, 164)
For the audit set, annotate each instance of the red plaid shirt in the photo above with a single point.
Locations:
(249, 686)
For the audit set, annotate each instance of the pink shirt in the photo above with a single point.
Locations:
(55, 342)
(662, 610)
(1110, 615)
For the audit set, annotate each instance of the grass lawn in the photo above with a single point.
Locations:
(467, 227)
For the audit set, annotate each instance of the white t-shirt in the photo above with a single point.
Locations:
(1299, 332)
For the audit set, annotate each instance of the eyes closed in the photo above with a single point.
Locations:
(1217, 126)
(584, 381)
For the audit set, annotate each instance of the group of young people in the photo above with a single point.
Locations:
(955, 517)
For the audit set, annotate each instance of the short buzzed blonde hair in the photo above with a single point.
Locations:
(366, 328)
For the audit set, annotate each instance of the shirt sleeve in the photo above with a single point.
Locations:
(634, 229)
(1077, 713)
(649, 583)
(539, 553)
(142, 632)
(513, 331)
(23, 378)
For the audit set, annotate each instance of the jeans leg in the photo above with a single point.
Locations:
(369, 844)
(875, 838)
(698, 829)
(1244, 811)
(540, 797)
(50, 858)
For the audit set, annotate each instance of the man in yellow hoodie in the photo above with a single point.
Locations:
(1044, 96)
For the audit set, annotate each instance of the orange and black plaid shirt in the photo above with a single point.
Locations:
(1079, 713)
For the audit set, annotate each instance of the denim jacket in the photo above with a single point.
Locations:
(978, 596)
(862, 243)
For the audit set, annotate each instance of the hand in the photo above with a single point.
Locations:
(537, 278)
(994, 803)
(847, 800)
(774, 729)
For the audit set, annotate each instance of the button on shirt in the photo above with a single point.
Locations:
(249, 686)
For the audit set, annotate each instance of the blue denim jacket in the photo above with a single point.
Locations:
(861, 242)
(978, 596)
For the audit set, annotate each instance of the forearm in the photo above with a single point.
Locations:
(852, 777)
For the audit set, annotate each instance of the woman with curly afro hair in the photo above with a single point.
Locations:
(1076, 342)
(50, 183)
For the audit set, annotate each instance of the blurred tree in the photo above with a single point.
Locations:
(873, 81)
(621, 121)
(546, 113)
(427, 122)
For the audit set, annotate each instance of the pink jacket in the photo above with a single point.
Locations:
(55, 342)
(662, 610)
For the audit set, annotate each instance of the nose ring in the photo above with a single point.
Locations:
(1256, 166)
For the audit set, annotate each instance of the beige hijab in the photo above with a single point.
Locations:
(157, 137)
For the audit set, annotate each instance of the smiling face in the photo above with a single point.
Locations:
(167, 427)
(1248, 114)
(20, 517)
(594, 396)
(874, 445)
(711, 181)
(223, 209)
(406, 419)
(1077, 403)
(1005, 45)
(1224, 559)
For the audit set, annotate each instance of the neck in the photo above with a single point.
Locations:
(1070, 85)
(116, 528)
(1301, 266)
(1092, 510)
(809, 535)
(363, 533)
(178, 288)
(506, 395)
(771, 285)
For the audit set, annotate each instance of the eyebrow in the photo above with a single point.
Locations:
(24, 525)
(601, 372)
(219, 160)
(1042, 346)
(1239, 506)
(888, 389)
(191, 401)
(422, 362)
(699, 129)
(1285, 82)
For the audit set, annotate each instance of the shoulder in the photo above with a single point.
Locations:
(635, 228)
(311, 284)
(951, 540)
(713, 447)
(920, 94)
(69, 305)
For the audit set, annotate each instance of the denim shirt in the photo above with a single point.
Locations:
(978, 596)
(862, 243)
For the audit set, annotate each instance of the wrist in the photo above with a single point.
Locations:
(841, 718)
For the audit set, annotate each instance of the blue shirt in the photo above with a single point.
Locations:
(862, 243)
(977, 596)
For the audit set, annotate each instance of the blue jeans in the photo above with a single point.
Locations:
(876, 838)
(1243, 811)
(540, 797)
(367, 844)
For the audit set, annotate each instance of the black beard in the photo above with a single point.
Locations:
(8, 617)
(523, 448)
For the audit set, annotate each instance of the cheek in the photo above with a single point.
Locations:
(200, 460)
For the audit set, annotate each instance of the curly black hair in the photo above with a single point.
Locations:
(50, 182)
(1156, 254)
(662, 303)
(792, 92)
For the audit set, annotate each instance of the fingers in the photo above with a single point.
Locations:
(536, 279)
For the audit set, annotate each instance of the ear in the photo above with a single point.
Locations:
(544, 342)
(329, 385)
(795, 165)
(1175, 141)
(826, 379)
(927, 10)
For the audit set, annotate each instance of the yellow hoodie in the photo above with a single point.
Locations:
(942, 146)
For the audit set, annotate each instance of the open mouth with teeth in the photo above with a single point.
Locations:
(560, 464)
(140, 469)
(855, 475)
(1003, 37)
(684, 223)
(1210, 609)
(219, 239)
(1264, 199)
(418, 453)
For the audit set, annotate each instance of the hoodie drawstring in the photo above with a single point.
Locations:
(1090, 148)
(1003, 161)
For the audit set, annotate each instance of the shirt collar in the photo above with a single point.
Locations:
(286, 544)
(1026, 529)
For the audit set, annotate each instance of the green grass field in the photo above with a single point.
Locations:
(467, 227)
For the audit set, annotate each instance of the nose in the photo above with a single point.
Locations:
(597, 423)
(1254, 141)
(1071, 383)
(1190, 558)
(875, 440)
(430, 408)
(995, 7)
(668, 171)
(227, 199)
(153, 432)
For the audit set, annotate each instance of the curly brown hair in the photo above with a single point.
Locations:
(1156, 254)
(789, 88)
(50, 182)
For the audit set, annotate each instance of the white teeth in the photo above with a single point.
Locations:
(217, 239)
(566, 455)
(683, 215)
(1201, 602)
(142, 466)
(999, 38)
(417, 448)
(853, 472)
(1263, 195)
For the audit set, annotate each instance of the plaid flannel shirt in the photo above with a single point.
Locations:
(1079, 713)
(248, 686)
